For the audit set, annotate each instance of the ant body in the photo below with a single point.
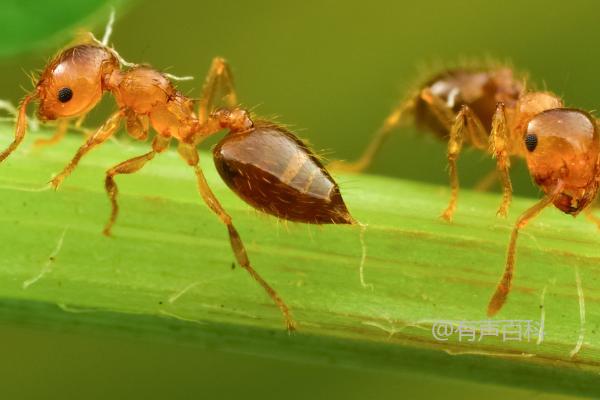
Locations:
(491, 110)
(263, 163)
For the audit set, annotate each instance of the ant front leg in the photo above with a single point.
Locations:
(391, 122)
(20, 128)
(130, 166)
(218, 80)
(190, 155)
(499, 148)
(100, 136)
(61, 130)
(589, 214)
(59, 134)
(503, 288)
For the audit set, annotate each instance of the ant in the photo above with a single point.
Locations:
(560, 145)
(262, 162)
(461, 106)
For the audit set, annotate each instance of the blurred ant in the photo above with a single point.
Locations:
(460, 105)
(263, 163)
(491, 110)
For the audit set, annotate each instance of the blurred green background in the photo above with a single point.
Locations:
(332, 71)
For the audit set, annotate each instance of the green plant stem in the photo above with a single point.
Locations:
(166, 274)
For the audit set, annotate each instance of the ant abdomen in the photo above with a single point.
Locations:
(272, 170)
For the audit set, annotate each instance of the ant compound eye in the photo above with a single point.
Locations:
(65, 94)
(531, 141)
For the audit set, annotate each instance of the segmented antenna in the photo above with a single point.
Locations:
(109, 28)
(104, 42)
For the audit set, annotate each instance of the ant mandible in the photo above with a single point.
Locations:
(263, 163)
(560, 145)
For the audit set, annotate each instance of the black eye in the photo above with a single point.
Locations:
(65, 94)
(531, 141)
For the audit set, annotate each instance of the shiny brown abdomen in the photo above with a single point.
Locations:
(481, 90)
(273, 171)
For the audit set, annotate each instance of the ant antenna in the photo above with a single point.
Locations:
(178, 78)
(104, 42)
(109, 28)
(10, 108)
(363, 257)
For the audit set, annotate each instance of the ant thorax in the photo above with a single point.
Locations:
(147, 93)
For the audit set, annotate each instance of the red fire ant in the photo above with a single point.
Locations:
(263, 163)
(491, 110)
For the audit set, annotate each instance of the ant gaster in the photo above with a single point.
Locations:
(490, 109)
(263, 163)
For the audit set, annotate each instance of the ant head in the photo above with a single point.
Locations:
(73, 82)
(562, 147)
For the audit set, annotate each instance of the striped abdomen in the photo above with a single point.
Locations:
(273, 171)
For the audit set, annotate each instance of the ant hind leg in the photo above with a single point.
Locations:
(219, 80)
(383, 133)
(190, 155)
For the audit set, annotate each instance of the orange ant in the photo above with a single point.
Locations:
(560, 145)
(263, 163)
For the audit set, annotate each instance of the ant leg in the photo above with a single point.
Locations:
(137, 126)
(130, 166)
(59, 134)
(589, 214)
(20, 128)
(455, 142)
(498, 145)
(439, 108)
(100, 136)
(219, 79)
(503, 288)
(475, 133)
(485, 183)
(391, 122)
(190, 155)
(479, 138)
(79, 121)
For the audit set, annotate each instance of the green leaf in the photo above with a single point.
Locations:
(28, 24)
(167, 272)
